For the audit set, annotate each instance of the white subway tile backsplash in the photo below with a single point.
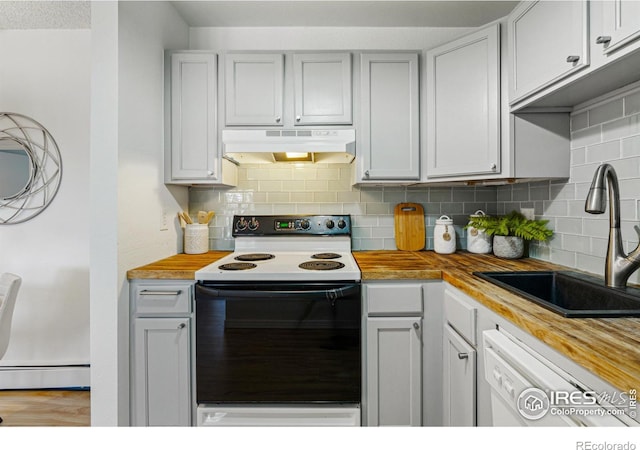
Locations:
(603, 152)
(606, 112)
(588, 136)
(631, 146)
(632, 104)
(621, 128)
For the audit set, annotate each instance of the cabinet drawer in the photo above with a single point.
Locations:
(394, 299)
(162, 299)
(461, 315)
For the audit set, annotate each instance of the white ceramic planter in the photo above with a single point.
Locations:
(508, 247)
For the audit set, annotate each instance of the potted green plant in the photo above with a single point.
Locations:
(510, 231)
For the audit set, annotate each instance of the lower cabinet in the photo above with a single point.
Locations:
(466, 395)
(161, 353)
(393, 381)
(161, 369)
(459, 391)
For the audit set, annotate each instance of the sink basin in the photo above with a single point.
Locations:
(570, 294)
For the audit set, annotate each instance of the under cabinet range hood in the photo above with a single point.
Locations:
(289, 145)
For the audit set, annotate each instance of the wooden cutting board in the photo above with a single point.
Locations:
(409, 226)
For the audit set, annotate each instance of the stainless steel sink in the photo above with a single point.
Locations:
(570, 294)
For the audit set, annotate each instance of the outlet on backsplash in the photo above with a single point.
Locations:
(528, 213)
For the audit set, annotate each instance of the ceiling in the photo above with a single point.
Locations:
(24, 14)
(338, 13)
(47, 14)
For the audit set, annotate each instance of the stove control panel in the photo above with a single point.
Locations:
(279, 225)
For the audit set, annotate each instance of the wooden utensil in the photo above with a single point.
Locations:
(202, 217)
(186, 217)
(409, 226)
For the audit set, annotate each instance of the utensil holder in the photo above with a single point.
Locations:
(196, 238)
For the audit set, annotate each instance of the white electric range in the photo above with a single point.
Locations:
(287, 248)
(278, 326)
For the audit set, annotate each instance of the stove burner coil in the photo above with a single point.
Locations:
(254, 257)
(326, 256)
(237, 266)
(321, 265)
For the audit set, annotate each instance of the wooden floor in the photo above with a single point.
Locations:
(48, 408)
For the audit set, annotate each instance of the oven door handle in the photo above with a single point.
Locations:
(322, 294)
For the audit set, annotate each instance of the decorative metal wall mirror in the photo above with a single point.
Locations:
(30, 168)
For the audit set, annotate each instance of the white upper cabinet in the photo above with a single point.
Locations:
(463, 102)
(322, 88)
(191, 154)
(254, 89)
(278, 89)
(565, 53)
(389, 132)
(549, 40)
(620, 22)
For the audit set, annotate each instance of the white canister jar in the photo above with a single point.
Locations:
(477, 240)
(196, 238)
(444, 236)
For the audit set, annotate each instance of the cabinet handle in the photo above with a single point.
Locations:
(366, 174)
(416, 325)
(278, 119)
(181, 326)
(298, 118)
(573, 58)
(146, 292)
(493, 167)
(210, 173)
(603, 40)
(463, 355)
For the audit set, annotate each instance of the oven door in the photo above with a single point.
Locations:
(278, 342)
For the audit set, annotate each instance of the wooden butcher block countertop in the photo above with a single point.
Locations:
(610, 348)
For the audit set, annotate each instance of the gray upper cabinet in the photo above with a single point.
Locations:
(193, 147)
(549, 41)
(389, 132)
(463, 105)
(254, 88)
(620, 21)
(322, 88)
(285, 90)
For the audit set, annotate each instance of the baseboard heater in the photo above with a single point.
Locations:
(44, 377)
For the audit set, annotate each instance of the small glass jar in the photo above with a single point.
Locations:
(477, 240)
(444, 236)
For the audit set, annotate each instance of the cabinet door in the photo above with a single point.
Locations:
(194, 149)
(389, 135)
(548, 42)
(394, 370)
(161, 372)
(254, 86)
(322, 88)
(620, 24)
(463, 105)
(459, 393)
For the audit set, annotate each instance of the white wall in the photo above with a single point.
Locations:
(129, 197)
(45, 74)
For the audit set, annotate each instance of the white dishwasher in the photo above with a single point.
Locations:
(528, 390)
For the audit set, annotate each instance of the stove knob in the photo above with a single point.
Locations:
(329, 224)
(241, 224)
(253, 224)
(304, 224)
(342, 224)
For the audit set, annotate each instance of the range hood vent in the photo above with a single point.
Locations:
(269, 146)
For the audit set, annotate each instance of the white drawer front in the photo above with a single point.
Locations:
(162, 299)
(461, 315)
(394, 299)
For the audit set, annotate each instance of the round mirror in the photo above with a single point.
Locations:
(15, 169)
(30, 168)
